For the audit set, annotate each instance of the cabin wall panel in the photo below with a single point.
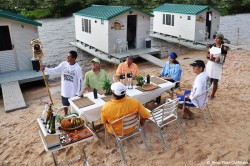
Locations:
(23, 34)
(98, 37)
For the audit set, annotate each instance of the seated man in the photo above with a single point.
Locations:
(121, 106)
(95, 77)
(127, 67)
(199, 88)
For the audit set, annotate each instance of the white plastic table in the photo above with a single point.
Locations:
(92, 113)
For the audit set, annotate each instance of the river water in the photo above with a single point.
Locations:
(55, 35)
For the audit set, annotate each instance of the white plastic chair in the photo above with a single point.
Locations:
(122, 44)
(203, 106)
(164, 115)
(130, 121)
(202, 35)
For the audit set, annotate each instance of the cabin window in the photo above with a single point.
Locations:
(189, 18)
(5, 40)
(86, 25)
(168, 19)
(172, 20)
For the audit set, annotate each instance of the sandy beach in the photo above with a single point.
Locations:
(225, 142)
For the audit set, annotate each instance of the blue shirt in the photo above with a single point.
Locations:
(174, 72)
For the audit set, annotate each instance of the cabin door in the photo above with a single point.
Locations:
(209, 23)
(7, 53)
(131, 31)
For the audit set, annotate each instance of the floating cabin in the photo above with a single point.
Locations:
(16, 33)
(193, 23)
(16, 66)
(112, 33)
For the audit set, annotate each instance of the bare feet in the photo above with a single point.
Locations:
(212, 97)
(188, 115)
(191, 117)
(185, 116)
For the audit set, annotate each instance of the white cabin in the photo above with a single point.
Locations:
(190, 22)
(16, 33)
(106, 28)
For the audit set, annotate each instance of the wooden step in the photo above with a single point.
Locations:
(12, 96)
(153, 59)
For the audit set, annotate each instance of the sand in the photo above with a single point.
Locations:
(225, 142)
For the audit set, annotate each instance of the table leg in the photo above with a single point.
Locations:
(95, 131)
(84, 157)
(172, 93)
(54, 159)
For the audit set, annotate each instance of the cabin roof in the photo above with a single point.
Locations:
(105, 12)
(181, 8)
(16, 17)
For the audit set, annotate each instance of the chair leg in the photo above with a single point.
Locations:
(162, 138)
(203, 115)
(121, 150)
(144, 138)
(181, 128)
(210, 112)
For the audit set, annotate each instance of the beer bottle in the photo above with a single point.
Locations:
(49, 112)
(52, 127)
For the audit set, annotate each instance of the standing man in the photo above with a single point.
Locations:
(119, 107)
(71, 78)
(127, 67)
(95, 77)
(197, 95)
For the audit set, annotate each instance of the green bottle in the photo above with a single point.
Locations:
(52, 125)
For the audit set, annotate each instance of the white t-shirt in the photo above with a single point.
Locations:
(199, 88)
(71, 78)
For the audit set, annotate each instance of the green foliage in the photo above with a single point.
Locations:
(140, 80)
(107, 86)
(58, 8)
(36, 14)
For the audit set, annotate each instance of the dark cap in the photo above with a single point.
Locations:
(198, 63)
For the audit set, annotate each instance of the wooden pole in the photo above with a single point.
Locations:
(38, 54)
(45, 80)
(179, 38)
(115, 54)
(238, 34)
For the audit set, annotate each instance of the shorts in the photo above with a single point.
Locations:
(65, 101)
(188, 102)
(213, 80)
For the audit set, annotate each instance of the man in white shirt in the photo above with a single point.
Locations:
(196, 96)
(71, 78)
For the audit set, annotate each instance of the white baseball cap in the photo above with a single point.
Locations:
(118, 88)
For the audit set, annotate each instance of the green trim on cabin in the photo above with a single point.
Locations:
(16, 17)
(106, 12)
(182, 8)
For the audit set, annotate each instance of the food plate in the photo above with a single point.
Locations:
(70, 129)
(148, 87)
(74, 136)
